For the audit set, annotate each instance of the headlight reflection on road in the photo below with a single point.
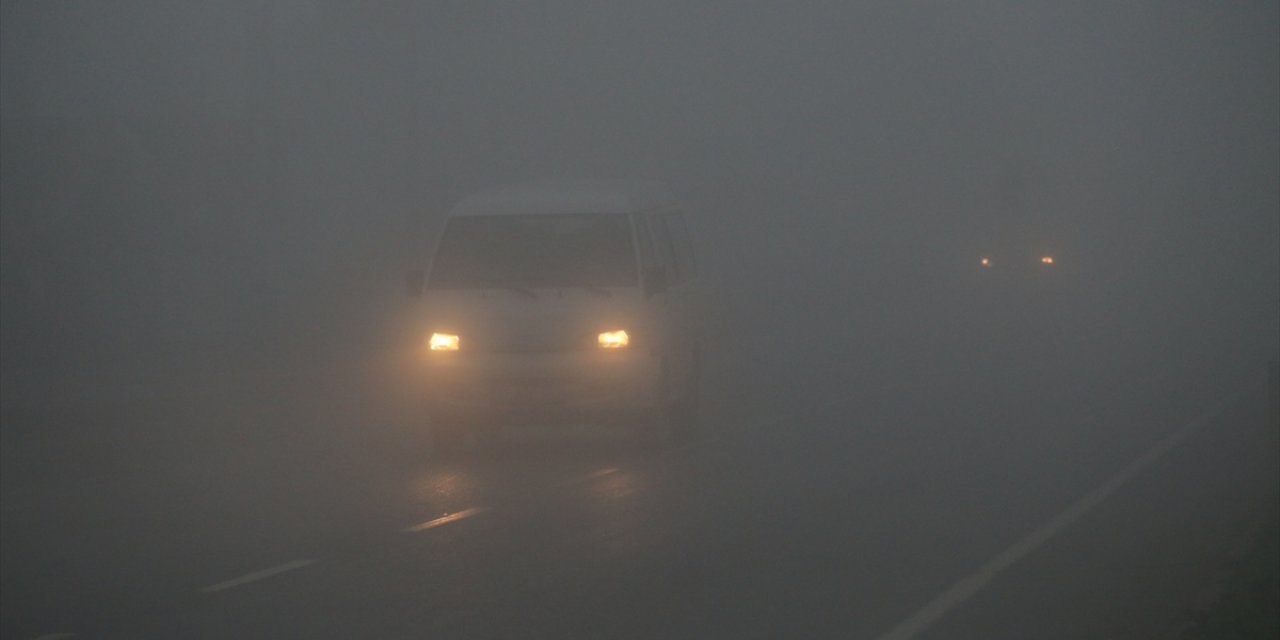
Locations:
(454, 486)
(615, 486)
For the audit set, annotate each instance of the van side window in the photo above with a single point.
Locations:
(665, 248)
(679, 235)
(645, 241)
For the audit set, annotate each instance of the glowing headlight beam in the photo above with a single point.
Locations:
(1046, 260)
(986, 262)
(613, 339)
(443, 342)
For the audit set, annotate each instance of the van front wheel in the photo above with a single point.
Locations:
(684, 417)
(653, 428)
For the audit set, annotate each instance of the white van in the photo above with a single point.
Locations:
(561, 304)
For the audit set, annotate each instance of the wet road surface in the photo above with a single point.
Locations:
(938, 508)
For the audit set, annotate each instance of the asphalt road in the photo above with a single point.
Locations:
(1033, 503)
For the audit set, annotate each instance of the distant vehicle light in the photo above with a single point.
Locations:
(613, 339)
(1047, 260)
(443, 342)
(986, 262)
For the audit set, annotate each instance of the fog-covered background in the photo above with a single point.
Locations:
(195, 188)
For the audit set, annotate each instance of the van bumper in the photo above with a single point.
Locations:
(545, 389)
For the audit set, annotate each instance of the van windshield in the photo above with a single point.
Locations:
(546, 250)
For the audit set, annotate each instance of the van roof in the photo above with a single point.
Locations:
(565, 196)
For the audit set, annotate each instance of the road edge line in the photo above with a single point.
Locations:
(966, 587)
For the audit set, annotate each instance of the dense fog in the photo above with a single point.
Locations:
(191, 186)
(986, 294)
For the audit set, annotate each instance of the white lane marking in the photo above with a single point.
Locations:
(600, 473)
(445, 519)
(56, 636)
(258, 575)
(966, 587)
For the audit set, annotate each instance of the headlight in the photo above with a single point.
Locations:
(443, 342)
(1046, 260)
(613, 339)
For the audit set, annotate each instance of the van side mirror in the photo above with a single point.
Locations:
(414, 282)
(655, 281)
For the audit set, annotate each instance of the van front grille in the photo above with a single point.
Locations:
(525, 341)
